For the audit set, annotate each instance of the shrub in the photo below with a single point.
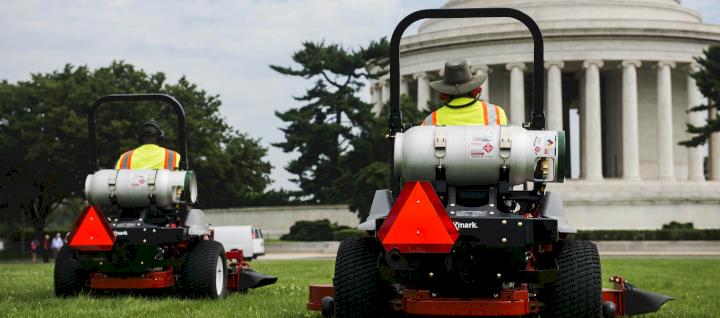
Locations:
(678, 226)
(320, 230)
(650, 235)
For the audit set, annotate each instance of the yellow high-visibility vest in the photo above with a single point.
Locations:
(149, 157)
(466, 111)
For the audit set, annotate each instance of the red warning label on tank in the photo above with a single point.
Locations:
(136, 181)
(482, 146)
(488, 148)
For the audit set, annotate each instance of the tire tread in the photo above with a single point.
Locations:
(356, 281)
(69, 277)
(577, 291)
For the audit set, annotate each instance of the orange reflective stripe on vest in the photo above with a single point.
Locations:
(169, 159)
(165, 162)
(126, 160)
(492, 115)
(485, 113)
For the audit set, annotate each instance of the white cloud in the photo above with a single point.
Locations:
(223, 46)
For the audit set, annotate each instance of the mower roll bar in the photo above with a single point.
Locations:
(94, 161)
(537, 119)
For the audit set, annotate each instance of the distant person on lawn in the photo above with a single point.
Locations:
(56, 245)
(34, 246)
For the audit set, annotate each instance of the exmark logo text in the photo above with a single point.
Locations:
(119, 233)
(468, 225)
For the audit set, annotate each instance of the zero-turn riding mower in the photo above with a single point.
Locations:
(140, 231)
(453, 236)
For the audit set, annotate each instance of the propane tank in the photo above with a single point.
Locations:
(140, 188)
(473, 155)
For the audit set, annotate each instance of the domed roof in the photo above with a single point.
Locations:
(573, 30)
(582, 11)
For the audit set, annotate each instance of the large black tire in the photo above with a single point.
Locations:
(358, 288)
(69, 277)
(577, 292)
(204, 271)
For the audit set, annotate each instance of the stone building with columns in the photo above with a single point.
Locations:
(617, 81)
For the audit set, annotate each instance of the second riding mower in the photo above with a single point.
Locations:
(141, 232)
(453, 236)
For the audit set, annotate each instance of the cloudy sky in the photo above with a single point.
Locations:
(223, 46)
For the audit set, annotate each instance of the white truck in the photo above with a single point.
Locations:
(247, 238)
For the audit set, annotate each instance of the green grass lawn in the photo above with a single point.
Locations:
(26, 291)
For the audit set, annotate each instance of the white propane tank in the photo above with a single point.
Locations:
(473, 155)
(140, 188)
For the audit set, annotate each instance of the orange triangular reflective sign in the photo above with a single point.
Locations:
(418, 222)
(92, 232)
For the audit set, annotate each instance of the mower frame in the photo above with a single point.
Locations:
(407, 281)
(151, 248)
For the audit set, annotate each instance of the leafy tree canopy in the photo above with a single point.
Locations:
(43, 130)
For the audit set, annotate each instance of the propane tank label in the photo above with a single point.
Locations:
(484, 147)
(137, 181)
(545, 145)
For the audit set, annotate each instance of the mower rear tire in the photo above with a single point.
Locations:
(577, 291)
(358, 288)
(204, 272)
(69, 277)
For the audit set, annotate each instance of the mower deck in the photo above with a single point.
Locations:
(151, 280)
(510, 302)
(240, 277)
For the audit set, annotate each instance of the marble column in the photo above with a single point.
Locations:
(423, 90)
(630, 131)
(714, 150)
(404, 86)
(695, 154)
(485, 94)
(517, 93)
(385, 84)
(376, 93)
(554, 111)
(593, 126)
(665, 145)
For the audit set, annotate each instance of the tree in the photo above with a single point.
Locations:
(708, 81)
(43, 130)
(369, 161)
(333, 118)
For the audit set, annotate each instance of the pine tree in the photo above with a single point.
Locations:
(332, 119)
(708, 81)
